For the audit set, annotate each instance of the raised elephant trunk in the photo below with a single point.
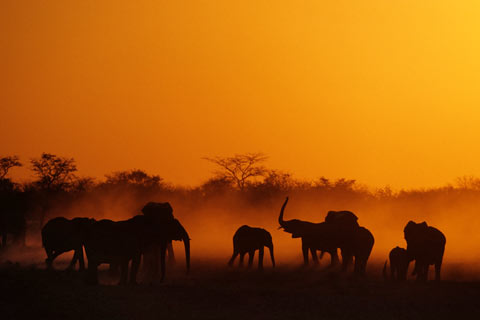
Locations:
(280, 218)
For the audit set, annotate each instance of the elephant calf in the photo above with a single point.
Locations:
(247, 240)
(61, 235)
(399, 261)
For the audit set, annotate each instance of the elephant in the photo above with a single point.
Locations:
(248, 240)
(61, 235)
(425, 245)
(119, 242)
(12, 223)
(12, 218)
(399, 262)
(306, 231)
(159, 211)
(352, 240)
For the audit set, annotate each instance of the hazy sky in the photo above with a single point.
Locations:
(385, 92)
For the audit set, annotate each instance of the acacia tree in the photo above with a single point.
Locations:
(6, 163)
(54, 173)
(240, 168)
(134, 177)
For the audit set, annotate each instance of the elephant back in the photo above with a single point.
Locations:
(342, 223)
(159, 211)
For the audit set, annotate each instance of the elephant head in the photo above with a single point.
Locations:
(173, 230)
(296, 227)
(415, 231)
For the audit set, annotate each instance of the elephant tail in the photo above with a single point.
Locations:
(385, 275)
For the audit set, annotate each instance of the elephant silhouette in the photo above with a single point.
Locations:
(306, 231)
(425, 245)
(61, 235)
(399, 262)
(119, 242)
(160, 212)
(340, 231)
(12, 218)
(247, 240)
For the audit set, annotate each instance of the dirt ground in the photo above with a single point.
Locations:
(213, 291)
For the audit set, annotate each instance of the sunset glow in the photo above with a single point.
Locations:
(385, 92)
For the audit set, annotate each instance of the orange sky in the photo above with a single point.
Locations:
(385, 92)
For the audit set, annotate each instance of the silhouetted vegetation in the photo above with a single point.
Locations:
(248, 193)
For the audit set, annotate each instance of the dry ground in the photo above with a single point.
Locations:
(213, 291)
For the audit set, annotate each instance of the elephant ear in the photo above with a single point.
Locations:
(415, 231)
(409, 229)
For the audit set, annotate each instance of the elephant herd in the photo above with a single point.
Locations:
(150, 235)
(117, 242)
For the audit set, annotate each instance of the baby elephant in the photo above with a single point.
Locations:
(399, 262)
(248, 239)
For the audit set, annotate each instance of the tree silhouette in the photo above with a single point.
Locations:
(53, 172)
(134, 177)
(240, 168)
(6, 163)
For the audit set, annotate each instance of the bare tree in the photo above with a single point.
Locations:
(6, 163)
(53, 172)
(240, 168)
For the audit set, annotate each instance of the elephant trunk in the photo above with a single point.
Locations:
(186, 242)
(271, 255)
(280, 218)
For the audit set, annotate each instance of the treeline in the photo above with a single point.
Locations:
(242, 185)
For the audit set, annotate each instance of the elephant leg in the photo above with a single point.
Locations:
(242, 255)
(347, 258)
(163, 249)
(421, 271)
(234, 256)
(360, 266)
(81, 261)
(134, 268)
(171, 254)
(154, 261)
(123, 272)
(438, 268)
(334, 260)
(261, 252)
(53, 257)
(92, 272)
(48, 260)
(415, 268)
(394, 274)
(305, 253)
(313, 252)
(425, 272)
(251, 255)
(113, 269)
(75, 257)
